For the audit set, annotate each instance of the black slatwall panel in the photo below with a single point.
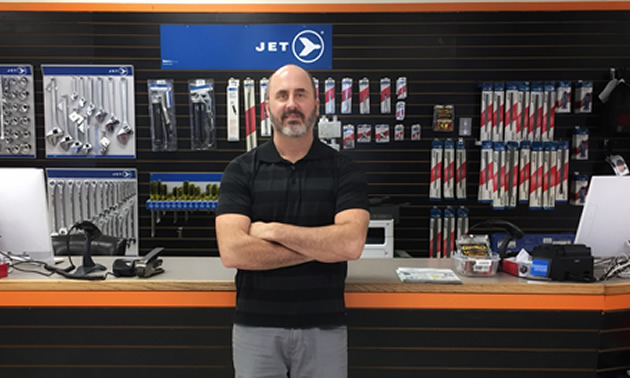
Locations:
(443, 55)
(131, 342)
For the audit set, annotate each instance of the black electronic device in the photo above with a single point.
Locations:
(513, 233)
(572, 262)
(146, 267)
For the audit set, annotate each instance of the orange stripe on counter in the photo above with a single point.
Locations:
(475, 301)
(117, 299)
(353, 300)
(616, 302)
(317, 8)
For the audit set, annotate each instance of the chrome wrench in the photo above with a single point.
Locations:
(125, 129)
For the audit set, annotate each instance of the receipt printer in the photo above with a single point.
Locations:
(380, 239)
(563, 262)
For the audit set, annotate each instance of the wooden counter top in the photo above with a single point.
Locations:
(371, 283)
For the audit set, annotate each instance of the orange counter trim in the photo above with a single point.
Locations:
(319, 8)
(353, 300)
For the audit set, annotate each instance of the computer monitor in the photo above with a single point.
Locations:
(24, 221)
(605, 221)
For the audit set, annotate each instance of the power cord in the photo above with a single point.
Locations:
(618, 266)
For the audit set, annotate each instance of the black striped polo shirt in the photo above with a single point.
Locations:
(265, 187)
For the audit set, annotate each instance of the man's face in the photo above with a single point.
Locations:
(292, 105)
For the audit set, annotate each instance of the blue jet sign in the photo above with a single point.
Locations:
(245, 47)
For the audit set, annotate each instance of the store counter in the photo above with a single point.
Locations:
(179, 322)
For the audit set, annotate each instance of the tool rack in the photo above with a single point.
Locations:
(175, 192)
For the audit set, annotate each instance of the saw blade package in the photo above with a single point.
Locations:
(202, 114)
(162, 115)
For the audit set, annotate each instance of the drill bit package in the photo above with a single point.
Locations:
(202, 115)
(162, 115)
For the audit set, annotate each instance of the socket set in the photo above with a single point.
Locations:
(89, 111)
(17, 112)
(106, 197)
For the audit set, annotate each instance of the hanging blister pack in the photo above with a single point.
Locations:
(579, 150)
(536, 111)
(251, 136)
(562, 180)
(348, 137)
(563, 97)
(525, 100)
(329, 95)
(202, 114)
(449, 169)
(579, 189)
(486, 112)
(399, 132)
(386, 95)
(435, 186)
(511, 112)
(485, 173)
(583, 97)
(382, 133)
(511, 174)
(346, 95)
(416, 132)
(233, 112)
(498, 99)
(499, 185)
(460, 175)
(162, 115)
(435, 233)
(462, 222)
(364, 96)
(536, 177)
(400, 111)
(316, 85)
(523, 177)
(549, 175)
(448, 232)
(550, 119)
(265, 122)
(401, 88)
(443, 118)
(364, 133)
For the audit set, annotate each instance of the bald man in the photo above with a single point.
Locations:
(291, 213)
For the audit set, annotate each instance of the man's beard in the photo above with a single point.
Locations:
(293, 129)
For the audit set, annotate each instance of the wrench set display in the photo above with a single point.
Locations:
(89, 111)
(106, 197)
(17, 111)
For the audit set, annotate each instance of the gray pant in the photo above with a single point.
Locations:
(265, 352)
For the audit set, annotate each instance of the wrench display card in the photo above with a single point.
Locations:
(89, 111)
(17, 112)
(106, 197)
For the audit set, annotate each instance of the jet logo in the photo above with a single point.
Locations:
(122, 71)
(308, 46)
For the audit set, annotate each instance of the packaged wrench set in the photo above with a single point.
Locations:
(17, 112)
(89, 111)
(162, 115)
(445, 227)
(202, 114)
(106, 197)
